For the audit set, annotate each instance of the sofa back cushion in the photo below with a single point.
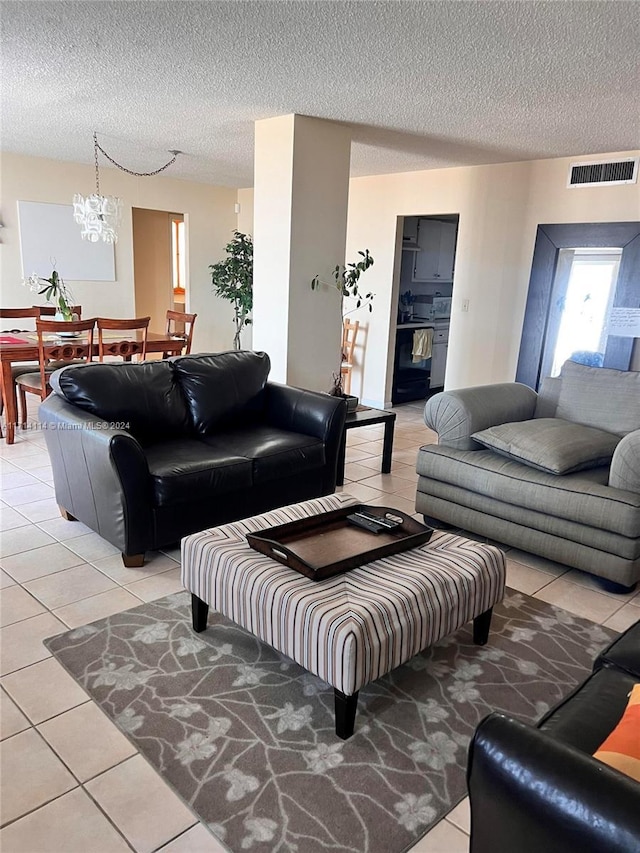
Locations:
(600, 397)
(224, 389)
(548, 394)
(145, 396)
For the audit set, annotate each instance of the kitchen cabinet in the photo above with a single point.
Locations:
(437, 242)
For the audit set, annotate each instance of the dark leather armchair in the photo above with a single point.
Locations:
(539, 790)
(147, 453)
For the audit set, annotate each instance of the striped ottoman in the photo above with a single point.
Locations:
(353, 628)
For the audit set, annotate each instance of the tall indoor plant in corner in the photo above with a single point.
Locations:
(232, 279)
(346, 281)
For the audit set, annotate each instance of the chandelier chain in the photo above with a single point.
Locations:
(95, 152)
(98, 147)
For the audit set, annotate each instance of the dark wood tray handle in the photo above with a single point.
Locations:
(272, 548)
(280, 553)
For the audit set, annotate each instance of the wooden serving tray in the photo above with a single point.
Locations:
(327, 544)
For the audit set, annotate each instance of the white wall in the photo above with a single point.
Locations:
(209, 214)
(500, 208)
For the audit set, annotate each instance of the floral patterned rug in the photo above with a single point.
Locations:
(247, 737)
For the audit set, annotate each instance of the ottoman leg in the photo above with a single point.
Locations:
(199, 613)
(345, 713)
(481, 625)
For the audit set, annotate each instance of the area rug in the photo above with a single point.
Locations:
(247, 737)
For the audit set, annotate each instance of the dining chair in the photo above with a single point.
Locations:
(15, 314)
(176, 319)
(53, 355)
(349, 335)
(24, 366)
(126, 347)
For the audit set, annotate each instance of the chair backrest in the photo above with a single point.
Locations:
(17, 314)
(50, 310)
(63, 349)
(349, 335)
(178, 319)
(127, 346)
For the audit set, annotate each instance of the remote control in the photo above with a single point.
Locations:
(388, 523)
(359, 520)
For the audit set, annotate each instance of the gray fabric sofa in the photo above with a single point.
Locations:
(555, 473)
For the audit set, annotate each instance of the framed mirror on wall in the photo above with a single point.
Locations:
(580, 273)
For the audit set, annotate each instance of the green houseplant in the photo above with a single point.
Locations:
(232, 279)
(346, 280)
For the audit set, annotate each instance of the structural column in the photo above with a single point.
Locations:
(301, 189)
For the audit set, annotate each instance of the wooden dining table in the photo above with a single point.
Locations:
(23, 346)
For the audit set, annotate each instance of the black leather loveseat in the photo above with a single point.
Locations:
(539, 790)
(147, 453)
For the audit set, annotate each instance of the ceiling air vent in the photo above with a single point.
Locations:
(603, 174)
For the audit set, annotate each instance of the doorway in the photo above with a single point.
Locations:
(424, 293)
(581, 301)
(608, 253)
(159, 264)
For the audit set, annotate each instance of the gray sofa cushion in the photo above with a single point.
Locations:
(548, 393)
(551, 444)
(600, 397)
(583, 497)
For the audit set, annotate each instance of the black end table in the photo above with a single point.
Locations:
(368, 417)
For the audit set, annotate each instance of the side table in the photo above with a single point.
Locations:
(368, 417)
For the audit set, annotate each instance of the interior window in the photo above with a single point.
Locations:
(178, 254)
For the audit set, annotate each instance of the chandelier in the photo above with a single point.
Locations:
(99, 215)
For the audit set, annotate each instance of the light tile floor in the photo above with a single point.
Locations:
(70, 780)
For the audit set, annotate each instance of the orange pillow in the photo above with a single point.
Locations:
(622, 748)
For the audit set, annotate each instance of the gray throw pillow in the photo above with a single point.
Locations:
(600, 397)
(550, 444)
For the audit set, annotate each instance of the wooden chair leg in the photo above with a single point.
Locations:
(23, 408)
(346, 381)
(133, 561)
(66, 514)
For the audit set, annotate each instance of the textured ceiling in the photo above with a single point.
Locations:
(424, 84)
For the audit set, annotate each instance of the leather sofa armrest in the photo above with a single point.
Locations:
(531, 793)
(455, 415)
(623, 652)
(100, 474)
(625, 465)
(311, 413)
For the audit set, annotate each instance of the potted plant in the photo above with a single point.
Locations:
(346, 281)
(232, 279)
(407, 300)
(55, 291)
